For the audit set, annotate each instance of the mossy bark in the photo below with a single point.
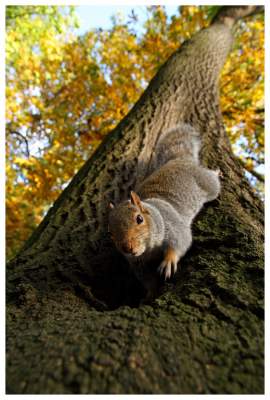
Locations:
(74, 319)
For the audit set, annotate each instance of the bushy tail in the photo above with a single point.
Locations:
(183, 141)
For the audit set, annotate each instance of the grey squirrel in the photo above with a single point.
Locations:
(159, 213)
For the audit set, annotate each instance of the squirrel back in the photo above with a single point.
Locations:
(176, 182)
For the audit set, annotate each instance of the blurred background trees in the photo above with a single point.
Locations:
(65, 92)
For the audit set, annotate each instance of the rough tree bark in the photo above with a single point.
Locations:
(74, 323)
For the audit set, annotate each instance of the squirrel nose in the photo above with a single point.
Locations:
(127, 248)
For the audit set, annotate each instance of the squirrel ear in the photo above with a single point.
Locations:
(135, 199)
(111, 205)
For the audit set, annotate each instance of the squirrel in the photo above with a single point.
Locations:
(160, 211)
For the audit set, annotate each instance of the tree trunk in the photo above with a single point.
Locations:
(74, 319)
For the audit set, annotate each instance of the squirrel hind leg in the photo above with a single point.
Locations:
(215, 185)
(209, 181)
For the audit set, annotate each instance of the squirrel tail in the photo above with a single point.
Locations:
(183, 141)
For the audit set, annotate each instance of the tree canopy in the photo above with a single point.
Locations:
(66, 92)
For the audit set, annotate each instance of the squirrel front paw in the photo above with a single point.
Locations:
(168, 267)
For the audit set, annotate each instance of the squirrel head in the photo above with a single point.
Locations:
(129, 226)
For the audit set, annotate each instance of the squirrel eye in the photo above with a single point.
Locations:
(139, 219)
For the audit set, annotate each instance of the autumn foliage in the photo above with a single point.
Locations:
(64, 93)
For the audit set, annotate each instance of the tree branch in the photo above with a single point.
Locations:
(256, 174)
(229, 15)
(23, 138)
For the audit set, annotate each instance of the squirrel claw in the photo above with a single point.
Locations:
(174, 267)
(167, 268)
